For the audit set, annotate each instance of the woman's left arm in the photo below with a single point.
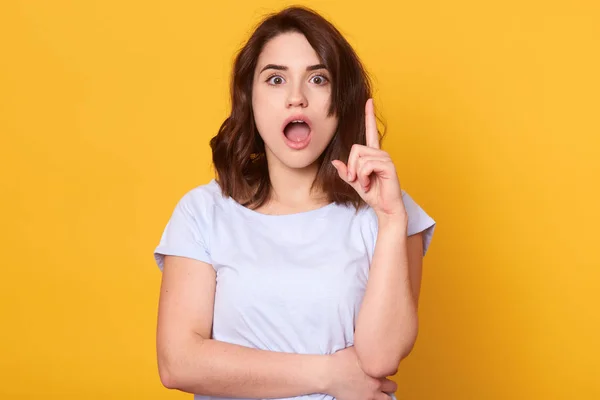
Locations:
(387, 323)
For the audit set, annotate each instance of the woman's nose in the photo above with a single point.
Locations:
(296, 98)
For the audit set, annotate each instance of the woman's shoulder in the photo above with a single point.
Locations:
(201, 199)
(418, 219)
(209, 192)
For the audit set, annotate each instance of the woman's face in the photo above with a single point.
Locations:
(290, 84)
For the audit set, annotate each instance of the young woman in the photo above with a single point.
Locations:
(296, 272)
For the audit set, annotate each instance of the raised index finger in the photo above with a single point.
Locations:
(371, 125)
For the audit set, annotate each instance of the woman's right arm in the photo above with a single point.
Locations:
(188, 360)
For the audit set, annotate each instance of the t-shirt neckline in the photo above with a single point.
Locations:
(256, 214)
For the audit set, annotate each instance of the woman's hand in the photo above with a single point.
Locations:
(371, 172)
(349, 382)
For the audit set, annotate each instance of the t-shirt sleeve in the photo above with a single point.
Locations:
(418, 221)
(186, 232)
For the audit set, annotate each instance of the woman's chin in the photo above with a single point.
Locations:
(299, 160)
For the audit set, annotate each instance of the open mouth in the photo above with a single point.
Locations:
(297, 131)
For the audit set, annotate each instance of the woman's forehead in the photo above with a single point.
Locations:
(291, 50)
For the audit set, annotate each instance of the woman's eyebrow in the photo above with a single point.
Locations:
(284, 68)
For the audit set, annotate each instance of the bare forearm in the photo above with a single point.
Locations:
(215, 368)
(387, 322)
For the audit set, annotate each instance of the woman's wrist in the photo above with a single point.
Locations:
(393, 223)
(324, 376)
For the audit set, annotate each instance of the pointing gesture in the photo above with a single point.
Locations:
(371, 125)
(371, 172)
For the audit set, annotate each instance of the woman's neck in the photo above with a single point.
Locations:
(291, 190)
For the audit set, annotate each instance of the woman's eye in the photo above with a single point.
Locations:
(319, 79)
(275, 80)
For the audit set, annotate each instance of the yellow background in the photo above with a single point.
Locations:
(106, 109)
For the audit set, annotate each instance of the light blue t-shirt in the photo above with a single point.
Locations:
(288, 283)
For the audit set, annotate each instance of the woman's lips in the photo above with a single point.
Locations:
(298, 145)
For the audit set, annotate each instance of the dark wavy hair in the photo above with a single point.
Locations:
(238, 151)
